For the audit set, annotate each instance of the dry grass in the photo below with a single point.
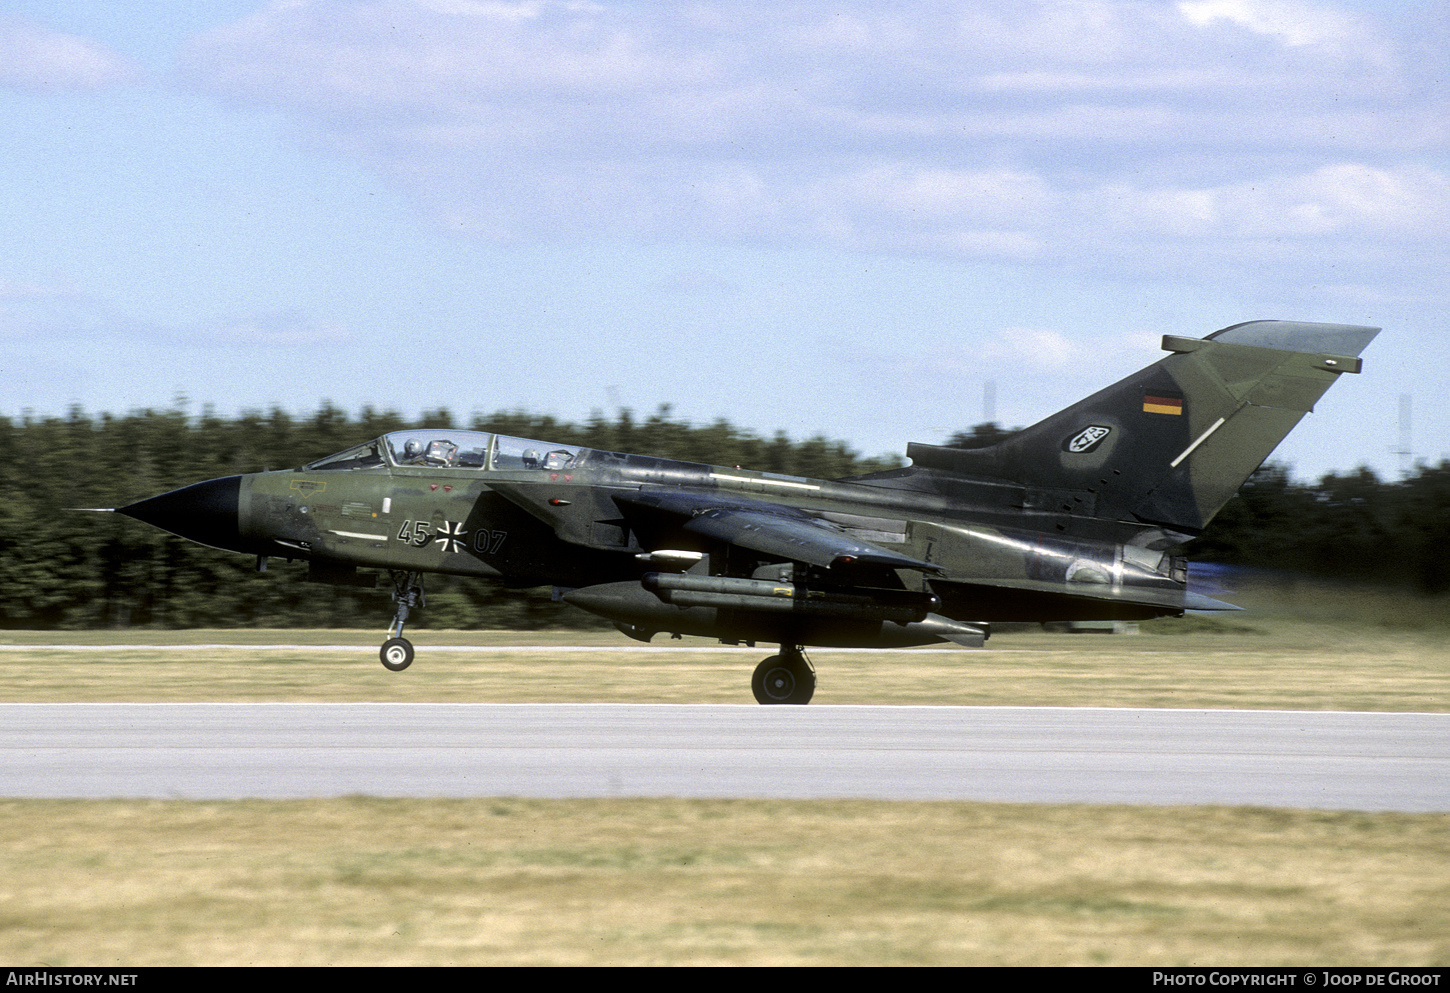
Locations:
(1273, 663)
(366, 881)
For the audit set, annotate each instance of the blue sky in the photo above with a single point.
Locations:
(841, 218)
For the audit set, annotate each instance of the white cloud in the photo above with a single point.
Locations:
(1295, 23)
(1057, 131)
(1042, 349)
(33, 57)
(568, 77)
(1411, 200)
(1406, 202)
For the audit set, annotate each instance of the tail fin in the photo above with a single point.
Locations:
(1172, 443)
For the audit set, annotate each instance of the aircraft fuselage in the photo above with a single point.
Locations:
(1074, 518)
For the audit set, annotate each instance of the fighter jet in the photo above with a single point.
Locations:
(1077, 517)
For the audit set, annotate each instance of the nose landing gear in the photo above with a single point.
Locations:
(785, 678)
(397, 654)
(397, 651)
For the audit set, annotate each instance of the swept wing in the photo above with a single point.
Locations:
(768, 528)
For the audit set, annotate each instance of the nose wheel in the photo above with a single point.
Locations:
(785, 678)
(397, 654)
(397, 651)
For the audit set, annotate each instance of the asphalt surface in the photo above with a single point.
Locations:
(1291, 759)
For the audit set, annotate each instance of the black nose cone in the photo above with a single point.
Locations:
(205, 512)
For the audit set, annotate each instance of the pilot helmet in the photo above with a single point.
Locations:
(531, 458)
(413, 448)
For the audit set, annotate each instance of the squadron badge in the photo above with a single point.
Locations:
(1087, 439)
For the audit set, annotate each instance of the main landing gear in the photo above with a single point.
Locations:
(397, 651)
(785, 678)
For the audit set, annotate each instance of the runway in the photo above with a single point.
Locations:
(1323, 760)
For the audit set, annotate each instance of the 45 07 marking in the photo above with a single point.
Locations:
(420, 533)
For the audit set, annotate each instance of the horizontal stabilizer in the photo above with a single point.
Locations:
(1170, 599)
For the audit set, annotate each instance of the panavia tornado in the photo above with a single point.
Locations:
(1070, 519)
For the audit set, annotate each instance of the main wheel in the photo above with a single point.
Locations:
(397, 654)
(784, 679)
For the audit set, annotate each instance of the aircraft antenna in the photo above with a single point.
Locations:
(1405, 450)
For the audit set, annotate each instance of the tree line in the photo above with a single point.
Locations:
(63, 568)
(1352, 526)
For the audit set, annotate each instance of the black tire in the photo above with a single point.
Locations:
(396, 654)
(783, 679)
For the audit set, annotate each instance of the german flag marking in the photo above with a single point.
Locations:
(1153, 404)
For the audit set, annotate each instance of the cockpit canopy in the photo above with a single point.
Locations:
(448, 448)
